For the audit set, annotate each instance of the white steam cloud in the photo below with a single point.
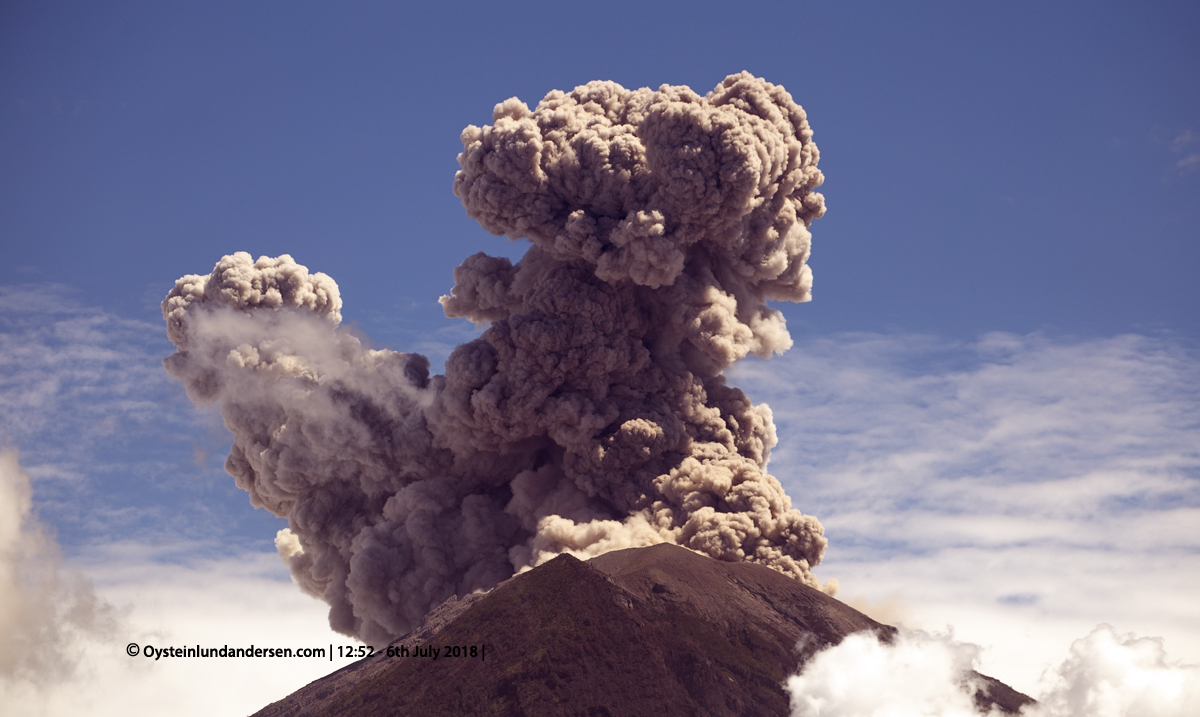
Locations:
(1106, 674)
(592, 413)
(917, 675)
(47, 612)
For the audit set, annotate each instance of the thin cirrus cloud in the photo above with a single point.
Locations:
(1021, 488)
(1185, 143)
(101, 427)
(74, 378)
(1020, 428)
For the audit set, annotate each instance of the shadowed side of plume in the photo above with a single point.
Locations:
(649, 631)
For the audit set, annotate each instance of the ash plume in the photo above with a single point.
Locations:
(592, 413)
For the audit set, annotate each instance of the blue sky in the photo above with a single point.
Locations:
(999, 366)
(1011, 167)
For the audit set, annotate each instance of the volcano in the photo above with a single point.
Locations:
(657, 631)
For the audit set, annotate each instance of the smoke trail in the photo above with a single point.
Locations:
(591, 415)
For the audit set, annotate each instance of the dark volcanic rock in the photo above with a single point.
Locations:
(652, 631)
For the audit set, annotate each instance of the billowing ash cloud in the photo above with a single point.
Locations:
(591, 415)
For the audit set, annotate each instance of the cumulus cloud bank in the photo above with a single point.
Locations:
(1108, 674)
(46, 611)
(591, 415)
(918, 674)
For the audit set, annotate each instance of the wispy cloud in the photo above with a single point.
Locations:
(1023, 488)
(73, 376)
(1185, 143)
(83, 394)
(1110, 424)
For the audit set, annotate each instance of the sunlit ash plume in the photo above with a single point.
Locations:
(592, 413)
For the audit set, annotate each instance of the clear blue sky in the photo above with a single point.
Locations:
(994, 400)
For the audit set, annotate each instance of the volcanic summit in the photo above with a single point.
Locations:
(646, 631)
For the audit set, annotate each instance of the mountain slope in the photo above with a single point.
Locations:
(648, 631)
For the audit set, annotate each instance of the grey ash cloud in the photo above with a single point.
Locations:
(592, 414)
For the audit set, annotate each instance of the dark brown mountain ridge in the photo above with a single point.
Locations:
(646, 631)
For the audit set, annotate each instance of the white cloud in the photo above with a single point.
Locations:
(76, 381)
(1105, 674)
(1108, 674)
(1182, 144)
(47, 612)
(1019, 488)
(170, 600)
(918, 675)
(107, 437)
